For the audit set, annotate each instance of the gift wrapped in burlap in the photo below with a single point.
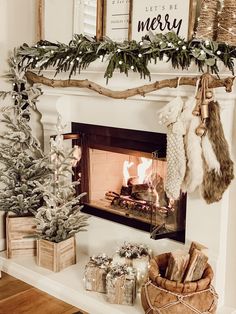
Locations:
(121, 285)
(136, 256)
(95, 273)
(163, 296)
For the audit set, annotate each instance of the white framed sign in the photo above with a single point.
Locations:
(116, 19)
(161, 16)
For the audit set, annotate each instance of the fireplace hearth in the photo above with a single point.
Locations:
(123, 173)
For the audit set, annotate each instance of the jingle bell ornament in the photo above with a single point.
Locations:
(201, 130)
(204, 110)
(209, 94)
(196, 111)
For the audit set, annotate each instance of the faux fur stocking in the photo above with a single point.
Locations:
(194, 172)
(215, 183)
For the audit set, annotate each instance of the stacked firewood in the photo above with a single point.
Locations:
(187, 267)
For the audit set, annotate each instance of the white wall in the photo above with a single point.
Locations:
(17, 25)
(231, 235)
(61, 13)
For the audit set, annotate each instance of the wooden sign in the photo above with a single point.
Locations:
(161, 16)
(116, 19)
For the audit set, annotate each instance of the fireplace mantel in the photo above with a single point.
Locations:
(207, 224)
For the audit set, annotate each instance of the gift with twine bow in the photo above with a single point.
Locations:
(121, 285)
(95, 273)
(134, 255)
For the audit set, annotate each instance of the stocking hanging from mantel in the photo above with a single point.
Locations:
(215, 183)
(170, 116)
(197, 151)
(193, 150)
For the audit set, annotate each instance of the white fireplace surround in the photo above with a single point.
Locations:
(214, 226)
(207, 224)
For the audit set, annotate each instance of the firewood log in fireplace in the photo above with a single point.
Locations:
(152, 190)
(132, 206)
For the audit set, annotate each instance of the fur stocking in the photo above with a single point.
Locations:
(215, 184)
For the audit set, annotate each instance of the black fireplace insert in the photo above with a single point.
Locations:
(123, 172)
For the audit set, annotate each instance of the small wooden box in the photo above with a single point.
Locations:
(56, 256)
(21, 236)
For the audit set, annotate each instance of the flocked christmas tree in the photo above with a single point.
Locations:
(60, 217)
(22, 164)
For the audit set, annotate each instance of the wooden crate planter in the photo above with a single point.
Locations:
(56, 256)
(20, 236)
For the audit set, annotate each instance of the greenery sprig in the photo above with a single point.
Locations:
(127, 56)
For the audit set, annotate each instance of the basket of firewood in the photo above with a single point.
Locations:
(173, 287)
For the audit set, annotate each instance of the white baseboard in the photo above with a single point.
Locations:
(2, 244)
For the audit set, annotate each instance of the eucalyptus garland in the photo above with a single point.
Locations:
(23, 93)
(127, 56)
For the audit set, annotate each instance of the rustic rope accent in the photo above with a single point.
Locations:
(180, 299)
(214, 82)
(227, 23)
(207, 22)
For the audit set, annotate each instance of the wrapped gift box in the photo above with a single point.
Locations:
(121, 285)
(136, 256)
(95, 273)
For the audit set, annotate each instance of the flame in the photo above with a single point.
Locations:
(126, 174)
(142, 169)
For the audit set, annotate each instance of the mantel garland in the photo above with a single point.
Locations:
(127, 56)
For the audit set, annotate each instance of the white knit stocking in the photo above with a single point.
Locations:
(176, 161)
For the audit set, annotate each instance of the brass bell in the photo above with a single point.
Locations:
(201, 130)
(209, 94)
(196, 111)
(204, 110)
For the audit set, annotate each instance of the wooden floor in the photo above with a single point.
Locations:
(17, 297)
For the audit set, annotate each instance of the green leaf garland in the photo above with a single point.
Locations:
(127, 56)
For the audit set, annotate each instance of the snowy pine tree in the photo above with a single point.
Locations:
(22, 165)
(60, 217)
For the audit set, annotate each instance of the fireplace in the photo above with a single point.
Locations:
(123, 173)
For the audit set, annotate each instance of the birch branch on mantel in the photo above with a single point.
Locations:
(214, 82)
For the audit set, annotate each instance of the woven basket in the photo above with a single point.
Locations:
(163, 296)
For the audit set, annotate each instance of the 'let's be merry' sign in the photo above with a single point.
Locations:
(161, 16)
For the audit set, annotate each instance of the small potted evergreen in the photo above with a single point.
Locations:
(59, 219)
(22, 167)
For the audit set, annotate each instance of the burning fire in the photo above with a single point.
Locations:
(126, 174)
(143, 170)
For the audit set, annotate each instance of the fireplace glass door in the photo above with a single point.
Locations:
(123, 173)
